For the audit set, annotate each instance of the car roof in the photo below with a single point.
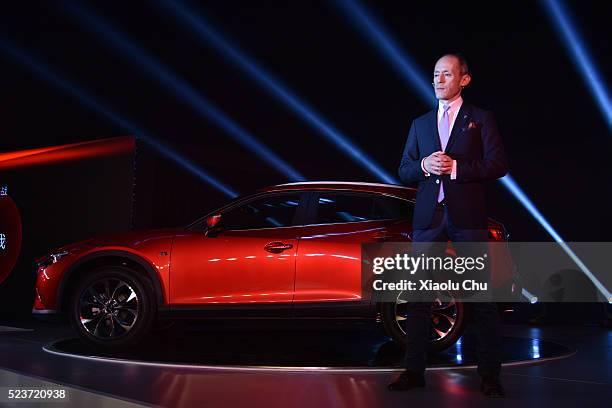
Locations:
(355, 186)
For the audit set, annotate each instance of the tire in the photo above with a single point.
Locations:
(448, 323)
(112, 307)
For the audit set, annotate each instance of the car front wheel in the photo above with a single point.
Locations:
(112, 307)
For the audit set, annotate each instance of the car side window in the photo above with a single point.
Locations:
(386, 207)
(335, 208)
(338, 208)
(267, 212)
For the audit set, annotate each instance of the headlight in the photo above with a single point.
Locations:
(51, 258)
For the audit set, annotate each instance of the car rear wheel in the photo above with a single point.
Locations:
(112, 307)
(448, 319)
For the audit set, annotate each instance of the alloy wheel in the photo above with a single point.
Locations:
(443, 316)
(108, 308)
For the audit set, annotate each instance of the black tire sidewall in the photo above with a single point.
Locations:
(391, 328)
(146, 307)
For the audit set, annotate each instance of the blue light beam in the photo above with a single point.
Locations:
(39, 68)
(388, 48)
(529, 296)
(157, 70)
(575, 46)
(270, 84)
(522, 197)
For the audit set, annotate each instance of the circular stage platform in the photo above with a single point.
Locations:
(355, 349)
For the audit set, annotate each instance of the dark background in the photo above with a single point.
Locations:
(60, 203)
(556, 137)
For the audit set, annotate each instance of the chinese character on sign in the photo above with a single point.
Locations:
(3, 190)
(2, 241)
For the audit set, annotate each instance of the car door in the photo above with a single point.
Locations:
(328, 267)
(249, 260)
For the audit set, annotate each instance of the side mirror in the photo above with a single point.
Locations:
(212, 225)
(213, 220)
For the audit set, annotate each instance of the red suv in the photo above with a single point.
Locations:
(290, 250)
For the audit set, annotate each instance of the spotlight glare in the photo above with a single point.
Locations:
(532, 299)
(459, 348)
(535, 348)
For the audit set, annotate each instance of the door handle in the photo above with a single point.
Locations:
(277, 247)
(382, 236)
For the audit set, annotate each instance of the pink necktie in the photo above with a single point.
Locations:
(444, 132)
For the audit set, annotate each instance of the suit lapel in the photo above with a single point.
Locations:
(433, 128)
(460, 125)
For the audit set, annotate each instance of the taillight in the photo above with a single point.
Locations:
(497, 234)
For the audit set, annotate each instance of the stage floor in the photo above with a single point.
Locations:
(308, 348)
(333, 365)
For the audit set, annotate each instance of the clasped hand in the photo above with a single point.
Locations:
(438, 163)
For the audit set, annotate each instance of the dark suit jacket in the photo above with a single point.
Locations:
(476, 145)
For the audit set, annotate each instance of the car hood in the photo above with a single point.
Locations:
(125, 239)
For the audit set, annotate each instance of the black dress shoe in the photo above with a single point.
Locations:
(492, 388)
(407, 381)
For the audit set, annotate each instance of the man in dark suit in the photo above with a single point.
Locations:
(451, 152)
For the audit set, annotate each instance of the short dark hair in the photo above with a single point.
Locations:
(463, 65)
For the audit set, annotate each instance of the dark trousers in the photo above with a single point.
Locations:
(485, 315)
